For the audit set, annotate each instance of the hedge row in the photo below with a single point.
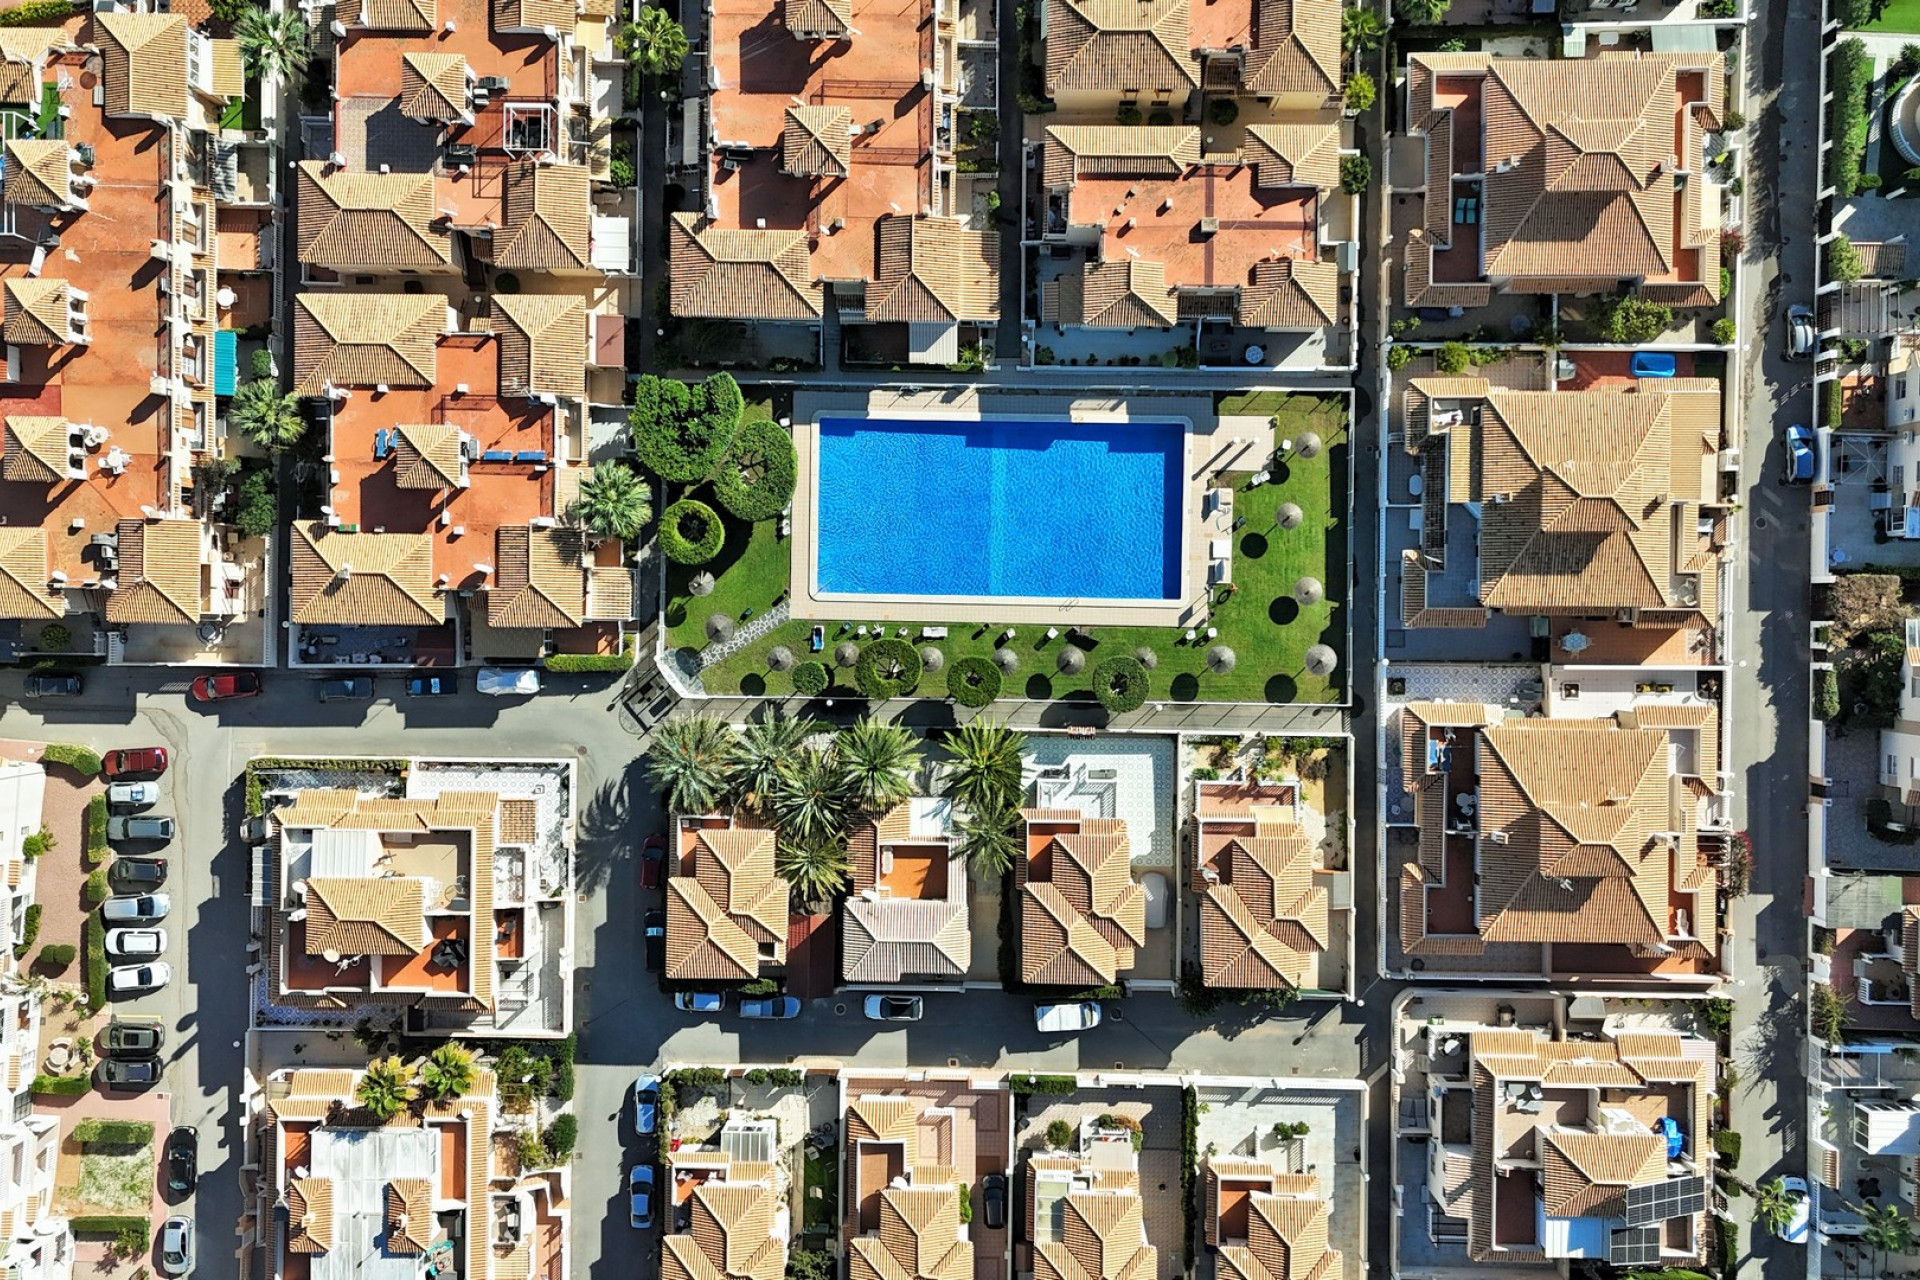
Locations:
(1852, 71)
(107, 1224)
(80, 759)
(62, 1086)
(35, 13)
(579, 663)
(681, 432)
(756, 479)
(95, 937)
(691, 532)
(96, 843)
(114, 1133)
(96, 889)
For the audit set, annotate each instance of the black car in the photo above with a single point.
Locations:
(656, 927)
(183, 1161)
(138, 873)
(437, 685)
(993, 1190)
(132, 1038)
(345, 689)
(129, 1073)
(53, 684)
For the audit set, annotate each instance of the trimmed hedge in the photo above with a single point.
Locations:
(29, 931)
(756, 479)
(56, 956)
(96, 888)
(973, 681)
(1120, 684)
(94, 934)
(681, 432)
(77, 758)
(114, 1133)
(36, 13)
(701, 544)
(888, 667)
(106, 1224)
(1826, 695)
(810, 679)
(564, 663)
(1852, 71)
(61, 1086)
(96, 822)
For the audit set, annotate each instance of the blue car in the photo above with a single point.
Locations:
(779, 1008)
(1801, 459)
(646, 1103)
(1652, 364)
(640, 1197)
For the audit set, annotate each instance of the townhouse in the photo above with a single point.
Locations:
(905, 915)
(726, 918)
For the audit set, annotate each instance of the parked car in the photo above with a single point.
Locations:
(881, 1008)
(183, 1160)
(129, 1073)
(646, 1103)
(653, 860)
(655, 924)
(777, 1008)
(1801, 338)
(136, 944)
(128, 978)
(1081, 1015)
(52, 684)
(149, 827)
(640, 1196)
(507, 682)
(136, 909)
(437, 684)
(993, 1193)
(176, 1246)
(345, 689)
(138, 873)
(1652, 364)
(1794, 1230)
(132, 795)
(1801, 461)
(132, 763)
(225, 685)
(699, 1001)
(133, 1038)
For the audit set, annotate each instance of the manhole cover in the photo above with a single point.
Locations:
(1118, 1014)
(839, 1008)
(1759, 522)
(953, 1062)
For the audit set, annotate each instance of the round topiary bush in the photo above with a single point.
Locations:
(1223, 111)
(1120, 684)
(887, 668)
(756, 479)
(691, 532)
(810, 678)
(973, 682)
(54, 637)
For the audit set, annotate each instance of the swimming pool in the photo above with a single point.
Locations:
(1015, 509)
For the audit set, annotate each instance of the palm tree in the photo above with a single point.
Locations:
(1361, 30)
(688, 760)
(984, 769)
(385, 1088)
(655, 42)
(613, 502)
(760, 755)
(1888, 1229)
(1773, 1204)
(809, 801)
(273, 44)
(447, 1073)
(266, 416)
(987, 839)
(879, 760)
(814, 869)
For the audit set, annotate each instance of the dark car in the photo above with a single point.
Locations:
(655, 923)
(138, 873)
(437, 685)
(993, 1190)
(129, 1073)
(653, 857)
(183, 1160)
(53, 684)
(345, 689)
(132, 1038)
(134, 764)
(225, 685)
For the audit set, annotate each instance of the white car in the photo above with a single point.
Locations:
(127, 978)
(507, 682)
(137, 908)
(1082, 1015)
(176, 1247)
(136, 944)
(133, 795)
(1795, 1230)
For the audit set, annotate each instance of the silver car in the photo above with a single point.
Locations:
(176, 1247)
(136, 909)
(1801, 338)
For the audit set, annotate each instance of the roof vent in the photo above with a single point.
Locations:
(1209, 226)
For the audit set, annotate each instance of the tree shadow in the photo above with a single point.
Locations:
(605, 835)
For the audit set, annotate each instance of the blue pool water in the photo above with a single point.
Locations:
(1049, 508)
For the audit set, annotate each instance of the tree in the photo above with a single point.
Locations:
(273, 44)
(1361, 30)
(688, 761)
(681, 433)
(1843, 260)
(230, 10)
(385, 1088)
(984, 768)
(1773, 1204)
(760, 754)
(447, 1072)
(1360, 92)
(1356, 174)
(265, 415)
(814, 868)
(810, 798)
(1422, 12)
(654, 42)
(257, 512)
(878, 760)
(613, 502)
(1631, 319)
(987, 840)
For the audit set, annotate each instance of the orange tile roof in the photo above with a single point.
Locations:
(729, 911)
(1119, 44)
(144, 58)
(365, 339)
(24, 576)
(546, 215)
(935, 271)
(160, 573)
(379, 220)
(1263, 923)
(733, 274)
(1081, 913)
(543, 338)
(371, 579)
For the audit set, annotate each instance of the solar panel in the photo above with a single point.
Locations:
(1634, 1247)
(1674, 1198)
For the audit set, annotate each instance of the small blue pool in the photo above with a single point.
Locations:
(1046, 509)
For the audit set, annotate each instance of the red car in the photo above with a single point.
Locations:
(232, 684)
(134, 764)
(653, 854)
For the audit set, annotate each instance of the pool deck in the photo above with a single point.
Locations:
(1212, 445)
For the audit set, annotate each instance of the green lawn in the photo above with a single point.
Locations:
(1899, 17)
(1258, 620)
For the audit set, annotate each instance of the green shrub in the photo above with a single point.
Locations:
(260, 363)
(1854, 13)
(107, 1224)
(79, 759)
(810, 1264)
(96, 848)
(258, 511)
(37, 843)
(810, 679)
(1452, 358)
(1826, 695)
(966, 1203)
(29, 932)
(1399, 357)
(1723, 331)
(1127, 114)
(584, 663)
(55, 637)
(56, 956)
(1727, 1144)
(1050, 1085)
(1059, 1134)
(94, 935)
(561, 1136)
(62, 1087)
(1833, 403)
(114, 1133)
(1158, 116)
(888, 668)
(756, 479)
(1843, 259)
(1120, 684)
(681, 432)
(37, 13)
(96, 888)
(1361, 91)
(691, 532)
(1631, 319)
(973, 681)
(1223, 111)
(1356, 174)
(563, 1053)
(1847, 127)
(1716, 1016)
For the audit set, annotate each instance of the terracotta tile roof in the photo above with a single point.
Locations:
(547, 212)
(733, 908)
(309, 1215)
(1295, 155)
(1910, 953)
(934, 271)
(36, 449)
(1102, 1237)
(410, 1221)
(144, 57)
(24, 576)
(389, 15)
(160, 570)
(730, 1235)
(39, 172)
(609, 593)
(1128, 293)
(426, 455)
(539, 583)
(375, 579)
(367, 916)
(543, 343)
(365, 339)
(1587, 1174)
(23, 54)
(369, 219)
(1070, 152)
(1239, 1169)
(817, 142)
(739, 275)
(511, 15)
(1115, 45)
(36, 311)
(227, 70)
(1265, 923)
(1296, 49)
(818, 19)
(919, 1238)
(891, 940)
(519, 822)
(1080, 925)
(1291, 293)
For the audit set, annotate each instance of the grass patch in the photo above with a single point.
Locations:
(1899, 17)
(121, 1181)
(822, 1212)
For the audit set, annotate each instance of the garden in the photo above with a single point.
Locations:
(728, 578)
